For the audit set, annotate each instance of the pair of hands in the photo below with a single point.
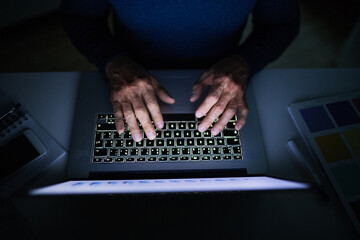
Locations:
(134, 91)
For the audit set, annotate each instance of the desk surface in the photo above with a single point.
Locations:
(50, 98)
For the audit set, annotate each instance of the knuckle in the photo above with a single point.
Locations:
(212, 98)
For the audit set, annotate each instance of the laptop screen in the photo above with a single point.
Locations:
(169, 185)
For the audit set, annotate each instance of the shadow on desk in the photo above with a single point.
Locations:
(175, 216)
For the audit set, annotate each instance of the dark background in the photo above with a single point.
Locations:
(32, 38)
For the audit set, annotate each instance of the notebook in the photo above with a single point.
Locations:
(331, 128)
(179, 159)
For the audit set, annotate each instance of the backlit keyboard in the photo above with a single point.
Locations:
(179, 140)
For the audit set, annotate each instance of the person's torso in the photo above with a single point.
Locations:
(180, 32)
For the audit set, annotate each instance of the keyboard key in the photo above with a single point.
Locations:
(99, 144)
(170, 142)
(119, 143)
(158, 134)
(140, 159)
(182, 125)
(174, 158)
(175, 151)
(130, 159)
(118, 160)
(195, 158)
(155, 151)
(108, 160)
(134, 151)
(187, 134)
(97, 160)
(177, 134)
(184, 158)
(190, 142)
(207, 133)
(206, 150)
(123, 152)
(172, 125)
(144, 151)
(105, 127)
(152, 159)
(220, 141)
(127, 134)
(165, 151)
(139, 144)
(150, 143)
(227, 157)
(107, 135)
(205, 158)
(109, 143)
(101, 116)
(196, 151)
(216, 157)
(230, 125)
(129, 143)
(180, 142)
(210, 141)
(100, 152)
(160, 142)
(233, 141)
(238, 157)
(226, 150)
(237, 149)
(113, 152)
(191, 125)
(200, 141)
(186, 151)
(197, 133)
(167, 134)
(216, 150)
(163, 159)
(230, 133)
(98, 136)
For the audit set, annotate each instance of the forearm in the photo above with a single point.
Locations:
(276, 25)
(87, 28)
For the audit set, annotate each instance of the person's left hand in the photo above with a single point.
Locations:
(228, 81)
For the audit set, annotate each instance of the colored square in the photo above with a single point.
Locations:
(348, 178)
(352, 136)
(316, 118)
(356, 102)
(333, 148)
(356, 208)
(343, 113)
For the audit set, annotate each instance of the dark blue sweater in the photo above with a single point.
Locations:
(181, 33)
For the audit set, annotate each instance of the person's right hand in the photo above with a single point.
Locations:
(133, 95)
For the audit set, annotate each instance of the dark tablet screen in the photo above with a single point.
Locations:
(15, 154)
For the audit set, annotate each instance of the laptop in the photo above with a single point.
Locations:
(180, 159)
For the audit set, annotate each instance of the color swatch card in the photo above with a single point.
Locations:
(331, 127)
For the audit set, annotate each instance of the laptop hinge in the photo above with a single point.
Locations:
(240, 172)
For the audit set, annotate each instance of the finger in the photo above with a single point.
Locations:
(196, 92)
(217, 109)
(119, 117)
(210, 100)
(224, 119)
(164, 95)
(131, 121)
(142, 115)
(154, 109)
(199, 86)
(161, 92)
(243, 113)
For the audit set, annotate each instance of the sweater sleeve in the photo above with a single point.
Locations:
(85, 22)
(276, 23)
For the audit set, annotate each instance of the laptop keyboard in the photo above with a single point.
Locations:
(178, 141)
